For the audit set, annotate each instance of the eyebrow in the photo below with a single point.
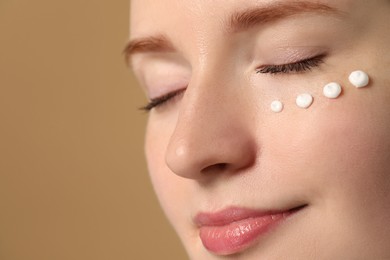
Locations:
(237, 22)
(158, 43)
(246, 19)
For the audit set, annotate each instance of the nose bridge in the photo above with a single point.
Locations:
(211, 130)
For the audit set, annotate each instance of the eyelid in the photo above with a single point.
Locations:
(162, 100)
(298, 66)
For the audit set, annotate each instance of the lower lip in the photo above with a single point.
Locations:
(239, 235)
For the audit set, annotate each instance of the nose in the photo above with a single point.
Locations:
(213, 133)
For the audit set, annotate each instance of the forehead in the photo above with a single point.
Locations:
(170, 15)
(200, 25)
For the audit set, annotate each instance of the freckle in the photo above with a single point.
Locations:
(277, 106)
(304, 100)
(359, 79)
(332, 90)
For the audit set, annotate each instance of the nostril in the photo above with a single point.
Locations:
(215, 167)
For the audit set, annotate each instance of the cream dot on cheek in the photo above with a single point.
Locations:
(277, 106)
(332, 90)
(359, 79)
(304, 100)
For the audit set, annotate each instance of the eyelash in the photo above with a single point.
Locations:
(163, 100)
(296, 67)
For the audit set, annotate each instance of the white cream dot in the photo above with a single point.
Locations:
(359, 79)
(277, 106)
(332, 90)
(304, 100)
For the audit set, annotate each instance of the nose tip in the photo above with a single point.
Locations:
(197, 158)
(185, 161)
(213, 130)
(179, 160)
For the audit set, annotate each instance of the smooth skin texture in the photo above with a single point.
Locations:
(217, 144)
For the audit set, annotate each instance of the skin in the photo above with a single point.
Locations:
(218, 144)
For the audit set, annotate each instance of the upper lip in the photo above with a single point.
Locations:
(233, 214)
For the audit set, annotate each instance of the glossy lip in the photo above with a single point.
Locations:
(235, 229)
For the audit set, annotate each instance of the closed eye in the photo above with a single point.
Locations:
(296, 67)
(162, 100)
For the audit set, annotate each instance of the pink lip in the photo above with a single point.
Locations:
(235, 229)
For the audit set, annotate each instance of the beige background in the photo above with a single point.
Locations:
(73, 182)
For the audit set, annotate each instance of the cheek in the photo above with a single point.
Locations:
(170, 190)
(155, 145)
(342, 149)
(354, 147)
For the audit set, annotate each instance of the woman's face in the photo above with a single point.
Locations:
(234, 177)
